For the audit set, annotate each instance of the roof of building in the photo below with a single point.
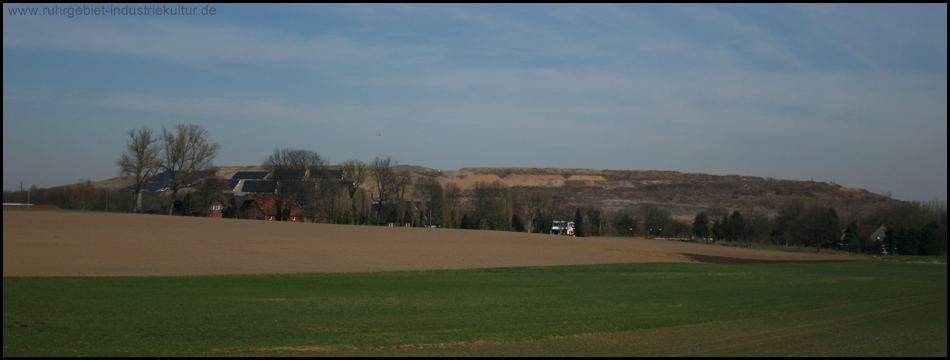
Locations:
(249, 175)
(866, 231)
(268, 204)
(259, 186)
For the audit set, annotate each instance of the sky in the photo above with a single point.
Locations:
(850, 94)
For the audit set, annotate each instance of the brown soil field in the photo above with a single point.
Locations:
(107, 244)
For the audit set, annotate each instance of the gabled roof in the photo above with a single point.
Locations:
(268, 204)
(865, 231)
(333, 174)
(259, 186)
(249, 175)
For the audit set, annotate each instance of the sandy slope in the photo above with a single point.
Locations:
(96, 244)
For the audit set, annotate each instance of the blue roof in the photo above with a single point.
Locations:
(249, 175)
(232, 184)
(158, 185)
(259, 186)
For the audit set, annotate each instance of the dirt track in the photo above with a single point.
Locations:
(95, 244)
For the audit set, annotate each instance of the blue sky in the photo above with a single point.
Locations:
(854, 94)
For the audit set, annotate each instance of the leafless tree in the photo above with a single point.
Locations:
(431, 192)
(386, 180)
(402, 188)
(354, 171)
(208, 191)
(140, 161)
(185, 151)
(535, 206)
(452, 197)
(492, 205)
(289, 167)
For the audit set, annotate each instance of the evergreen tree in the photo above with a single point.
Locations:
(701, 225)
(578, 223)
(516, 223)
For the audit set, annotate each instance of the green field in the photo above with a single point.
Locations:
(829, 309)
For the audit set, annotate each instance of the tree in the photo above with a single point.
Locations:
(139, 161)
(401, 185)
(231, 212)
(788, 228)
(354, 173)
(820, 226)
(452, 197)
(289, 167)
(185, 151)
(851, 240)
(625, 224)
(736, 227)
(188, 205)
(208, 191)
(654, 219)
(431, 192)
(536, 206)
(492, 206)
(701, 226)
(516, 224)
(386, 182)
(579, 224)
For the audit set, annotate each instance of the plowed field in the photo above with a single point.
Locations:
(102, 244)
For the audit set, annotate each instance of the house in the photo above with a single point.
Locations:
(562, 227)
(217, 209)
(264, 207)
(872, 233)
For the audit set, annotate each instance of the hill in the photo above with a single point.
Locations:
(682, 194)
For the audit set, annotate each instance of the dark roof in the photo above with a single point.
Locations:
(158, 185)
(866, 231)
(289, 174)
(195, 176)
(333, 174)
(232, 184)
(249, 175)
(259, 186)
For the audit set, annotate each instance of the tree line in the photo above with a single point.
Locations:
(377, 193)
(912, 228)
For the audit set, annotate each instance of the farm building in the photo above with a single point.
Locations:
(560, 227)
(264, 207)
(874, 234)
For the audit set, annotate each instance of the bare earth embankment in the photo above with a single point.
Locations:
(102, 244)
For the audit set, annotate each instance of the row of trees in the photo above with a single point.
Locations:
(182, 152)
(913, 228)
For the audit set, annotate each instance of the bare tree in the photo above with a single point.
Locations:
(492, 205)
(452, 197)
(289, 167)
(140, 161)
(431, 192)
(354, 171)
(386, 180)
(186, 151)
(402, 186)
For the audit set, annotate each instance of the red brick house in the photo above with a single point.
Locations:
(217, 210)
(264, 207)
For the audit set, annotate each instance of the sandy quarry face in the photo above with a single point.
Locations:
(100, 244)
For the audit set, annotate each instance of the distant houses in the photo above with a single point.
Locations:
(265, 207)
